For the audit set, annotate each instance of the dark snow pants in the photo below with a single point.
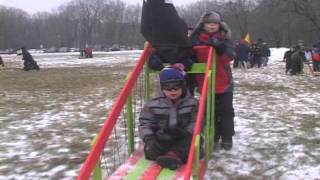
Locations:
(288, 65)
(178, 146)
(316, 66)
(30, 65)
(224, 116)
(256, 60)
(296, 67)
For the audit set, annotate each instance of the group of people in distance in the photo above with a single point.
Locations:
(86, 53)
(250, 56)
(166, 122)
(297, 56)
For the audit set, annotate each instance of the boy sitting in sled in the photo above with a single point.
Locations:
(167, 121)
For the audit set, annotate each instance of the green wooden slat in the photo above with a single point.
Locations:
(214, 69)
(97, 173)
(166, 174)
(130, 121)
(196, 68)
(147, 90)
(139, 169)
(196, 161)
(208, 123)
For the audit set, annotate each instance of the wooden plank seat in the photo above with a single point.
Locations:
(137, 167)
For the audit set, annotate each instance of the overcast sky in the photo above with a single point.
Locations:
(32, 6)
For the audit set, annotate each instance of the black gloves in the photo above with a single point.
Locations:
(219, 45)
(177, 132)
(152, 148)
(155, 63)
(215, 42)
(187, 62)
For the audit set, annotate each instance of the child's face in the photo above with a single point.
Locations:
(173, 93)
(211, 27)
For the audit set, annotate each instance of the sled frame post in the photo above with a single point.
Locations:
(130, 124)
(97, 172)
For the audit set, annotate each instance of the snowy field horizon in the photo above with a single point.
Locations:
(49, 117)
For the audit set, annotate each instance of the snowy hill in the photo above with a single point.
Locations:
(49, 117)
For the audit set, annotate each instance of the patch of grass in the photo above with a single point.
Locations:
(62, 79)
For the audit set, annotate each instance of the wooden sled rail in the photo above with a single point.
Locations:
(136, 166)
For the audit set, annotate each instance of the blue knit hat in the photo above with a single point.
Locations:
(171, 74)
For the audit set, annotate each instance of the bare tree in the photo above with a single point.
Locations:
(107, 22)
(191, 13)
(2, 32)
(309, 9)
(131, 26)
(88, 13)
(238, 13)
(13, 27)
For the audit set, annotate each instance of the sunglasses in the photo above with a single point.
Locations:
(171, 88)
(172, 85)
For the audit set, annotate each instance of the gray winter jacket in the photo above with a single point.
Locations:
(167, 121)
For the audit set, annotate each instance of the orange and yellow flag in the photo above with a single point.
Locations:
(247, 38)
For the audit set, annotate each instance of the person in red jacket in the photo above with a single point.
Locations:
(316, 60)
(212, 31)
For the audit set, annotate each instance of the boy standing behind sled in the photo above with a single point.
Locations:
(167, 122)
(213, 31)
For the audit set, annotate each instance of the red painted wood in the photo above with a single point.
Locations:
(200, 116)
(152, 172)
(182, 169)
(124, 169)
(111, 119)
(202, 169)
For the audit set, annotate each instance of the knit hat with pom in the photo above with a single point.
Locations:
(170, 74)
(211, 17)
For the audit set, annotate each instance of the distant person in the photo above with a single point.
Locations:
(242, 54)
(255, 55)
(265, 54)
(316, 60)
(166, 123)
(29, 63)
(308, 55)
(236, 61)
(297, 60)
(88, 52)
(1, 62)
(287, 60)
(82, 53)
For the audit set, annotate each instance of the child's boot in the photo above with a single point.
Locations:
(226, 143)
(170, 160)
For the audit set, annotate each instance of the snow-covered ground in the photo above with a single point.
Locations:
(57, 60)
(277, 126)
(45, 134)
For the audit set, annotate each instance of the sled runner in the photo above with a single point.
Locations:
(117, 151)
